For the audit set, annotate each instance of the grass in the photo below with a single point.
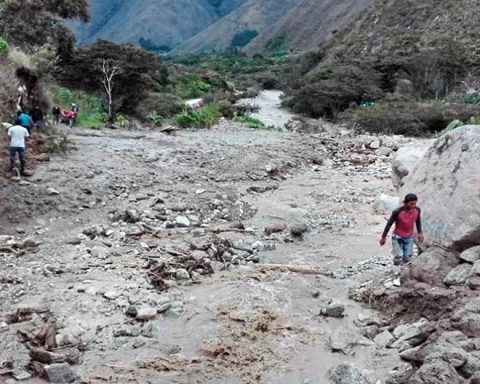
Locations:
(249, 121)
(90, 121)
(202, 118)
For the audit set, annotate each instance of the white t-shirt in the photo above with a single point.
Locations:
(17, 136)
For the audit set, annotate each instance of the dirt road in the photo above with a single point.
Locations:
(124, 202)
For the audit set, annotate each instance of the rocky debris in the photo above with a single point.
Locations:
(447, 171)
(59, 373)
(412, 335)
(473, 280)
(467, 318)
(470, 255)
(346, 373)
(433, 266)
(386, 204)
(400, 375)
(298, 229)
(182, 222)
(275, 229)
(345, 340)
(405, 161)
(458, 275)
(384, 339)
(333, 309)
(146, 314)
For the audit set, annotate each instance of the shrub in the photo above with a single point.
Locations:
(453, 125)
(241, 39)
(122, 120)
(4, 47)
(159, 103)
(251, 122)
(155, 119)
(474, 120)
(202, 118)
(226, 108)
(195, 88)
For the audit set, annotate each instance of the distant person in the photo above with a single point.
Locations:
(405, 218)
(37, 118)
(17, 134)
(25, 120)
(56, 112)
(76, 110)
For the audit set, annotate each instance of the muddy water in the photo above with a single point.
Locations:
(270, 111)
(239, 325)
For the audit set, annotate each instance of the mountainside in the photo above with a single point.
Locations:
(194, 26)
(309, 23)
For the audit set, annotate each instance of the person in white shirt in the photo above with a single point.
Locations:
(17, 135)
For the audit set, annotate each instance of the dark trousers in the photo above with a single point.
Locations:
(21, 155)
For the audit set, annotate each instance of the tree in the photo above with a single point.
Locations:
(139, 75)
(33, 23)
(110, 72)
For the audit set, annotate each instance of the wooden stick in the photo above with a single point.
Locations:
(303, 269)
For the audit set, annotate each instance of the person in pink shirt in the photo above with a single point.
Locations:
(405, 219)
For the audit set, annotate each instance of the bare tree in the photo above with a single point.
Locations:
(109, 72)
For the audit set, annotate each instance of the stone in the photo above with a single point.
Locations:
(471, 365)
(59, 373)
(458, 275)
(99, 252)
(182, 274)
(176, 309)
(21, 375)
(436, 372)
(52, 191)
(384, 339)
(475, 379)
(43, 157)
(400, 375)
(467, 318)
(182, 222)
(345, 340)
(383, 151)
(346, 373)
(3, 326)
(386, 204)
(91, 291)
(470, 255)
(298, 229)
(405, 161)
(111, 295)
(448, 353)
(164, 307)
(131, 311)
(449, 173)
(473, 280)
(333, 309)
(410, 354)
(275, 229)
(433, 266)
(411, 335)
(375, 144)
(131, 216)
(145, 314)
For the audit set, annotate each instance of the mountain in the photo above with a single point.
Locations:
(193, 26)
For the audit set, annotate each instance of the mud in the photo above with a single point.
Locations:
(235, 325)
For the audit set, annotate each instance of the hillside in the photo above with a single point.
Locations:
(194, 26)
(309, 23)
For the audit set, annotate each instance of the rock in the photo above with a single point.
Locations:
(91, 291)
(333, 309)
(400, 375)
(131, 216)
(410, 354)
(29, 242)
(383, 151)
(411, 335)
(298, 229)
(3, 326)
(448, 353)
(473, 280)
(475, 379)
(176, 309)
(21, 375)
(43, 157)
(375, 144)
(436, 372)
(164, 307)
(384, 339)
(182, 274)
(446, 183)
(470, 255)
(275, 229)
(99, 252)
(111, 295)
(145, 314)
(344, 340)
(156, 330)
(405, 162)
(346, 374)
(182, 222)
(386, 204)
(471, 365)
(52, 191)
(59, 373)
(458, 275)
(467, 318)
(433, 266)
(131, 311)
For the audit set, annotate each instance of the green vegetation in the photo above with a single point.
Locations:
(202, 118)
(241, 39)
(155, 119)
(4, 47)
(251, 122)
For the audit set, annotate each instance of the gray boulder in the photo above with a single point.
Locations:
(472, 364)
(458, 275)
(474, 276)
(467, 318)
(470, 255)
(433, 266)
(346, 374)
(448, 190)
(405, 161)
(59, 373)
(436, 372)
(345, 340)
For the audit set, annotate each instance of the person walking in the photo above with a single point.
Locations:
(405, 219)
(25, 120)
(37, 118)
(75, 111)
(56, 111)
(17, 134)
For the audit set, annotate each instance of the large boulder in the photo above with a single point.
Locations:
(433, 266)
(447, 181)
(406, 159)
(467, 318)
